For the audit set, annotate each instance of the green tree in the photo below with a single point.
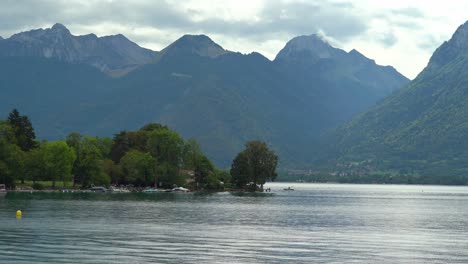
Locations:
(166, 147)
(113, 170)
(74, 140)
(240, 170)
(120, 146)
(256, 164)
(7, 133)
(137, 140)
(203, 169)
(23, 130)
(10, 162)
(34, 165)
(138, 168)
(104, 145)
(58, 160)
(89, 166)
(152, 127)
(191, 153)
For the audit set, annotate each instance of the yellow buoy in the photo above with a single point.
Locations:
(19, 214)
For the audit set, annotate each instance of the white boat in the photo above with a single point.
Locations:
(116, 190)
(180, 189)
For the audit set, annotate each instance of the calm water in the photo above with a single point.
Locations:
(316, 223)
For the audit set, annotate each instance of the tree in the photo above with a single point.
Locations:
(23, 130)
(191, 153)
(166, 147)
(88, 167)
(112, 170)
(89, 164)
(240, 170)
(10, 162)
(152, 127)
(7, 133)
(74, 141)
(34, 165)
(256, 164)
(104, 145)
(58, 160)
(137, 140)
(203, 169)
(138, 168)
(120, 146)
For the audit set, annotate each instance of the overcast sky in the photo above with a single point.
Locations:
(403, 34)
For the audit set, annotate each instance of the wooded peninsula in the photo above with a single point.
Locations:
(153, 156)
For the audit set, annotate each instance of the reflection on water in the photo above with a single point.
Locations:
(316, 223)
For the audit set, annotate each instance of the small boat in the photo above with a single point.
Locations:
(180, 189)
(97, 189)
(288, 189)
(3, 190)
(118, 190)
(152, 190)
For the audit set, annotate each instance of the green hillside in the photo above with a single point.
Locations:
(421, 130)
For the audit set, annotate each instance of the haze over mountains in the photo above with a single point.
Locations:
(98, 86)
(422, 129)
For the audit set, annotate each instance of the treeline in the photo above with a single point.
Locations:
(152, 156)
(379, 178)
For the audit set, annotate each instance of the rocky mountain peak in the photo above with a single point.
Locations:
(460, 37)
(201, 45)
(109, 54)
(457, 46)
(307, 46)
(358, 56)
(59, 28)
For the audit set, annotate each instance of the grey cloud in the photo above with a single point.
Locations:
(335, 19)
(388, 39)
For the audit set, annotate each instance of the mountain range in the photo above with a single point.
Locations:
(101, 85)
(420, 130)
(111, 54)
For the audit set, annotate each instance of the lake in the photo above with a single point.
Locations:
(315, 223)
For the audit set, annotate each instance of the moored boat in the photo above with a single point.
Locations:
(97, 189)
(180, 189)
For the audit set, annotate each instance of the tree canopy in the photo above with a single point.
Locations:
(152, 156)
(23, 130)
(254, 165)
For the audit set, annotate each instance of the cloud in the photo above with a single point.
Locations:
(275, 17)
(388, 39)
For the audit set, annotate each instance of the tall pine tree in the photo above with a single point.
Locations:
(23, 129)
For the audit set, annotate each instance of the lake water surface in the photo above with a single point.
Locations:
(316, 223)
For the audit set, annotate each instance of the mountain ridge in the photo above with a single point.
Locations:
(419, 130)
(108, 53)
(195, 86)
